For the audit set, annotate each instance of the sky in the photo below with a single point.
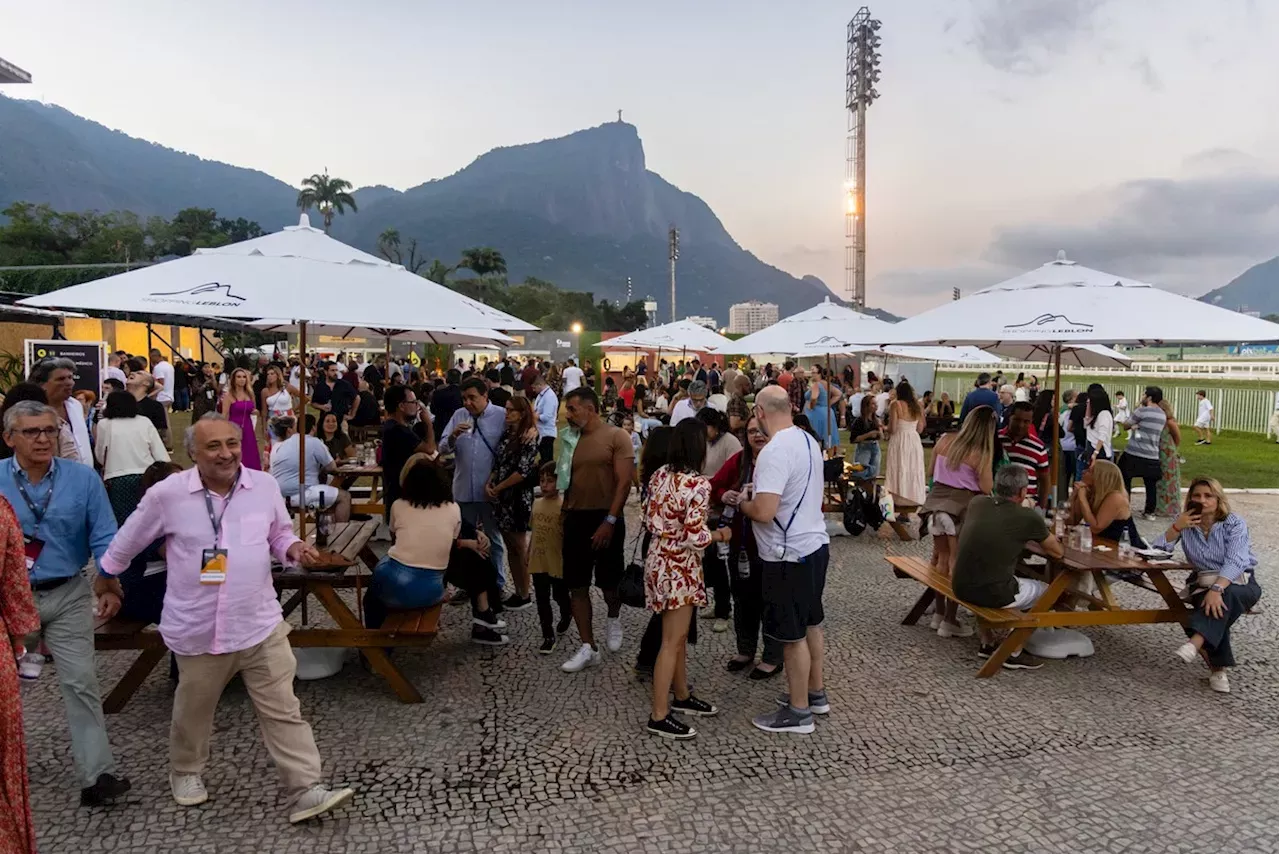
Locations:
(1140, 136)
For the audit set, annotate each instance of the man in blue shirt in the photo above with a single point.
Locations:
(65, 517)
(546, 407)
(982, 395)
(472, 435)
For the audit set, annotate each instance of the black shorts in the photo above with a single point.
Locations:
(546, 449)
(793, 595)
(581, 560)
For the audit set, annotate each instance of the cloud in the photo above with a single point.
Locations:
(1024, 36)
(1191, 233)
(1147, 73)
(911, 290)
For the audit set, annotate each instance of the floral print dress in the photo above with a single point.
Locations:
(675, 513)
(1169, 491)
(514, 507)
(19, 615)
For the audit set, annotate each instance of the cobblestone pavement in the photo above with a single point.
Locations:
(1126, 751)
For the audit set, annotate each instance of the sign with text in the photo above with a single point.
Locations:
(90, 358)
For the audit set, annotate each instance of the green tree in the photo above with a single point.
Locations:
(439, 272)
(389, 248)
(327, 195)
(483, 260)
(626, 318)
(239, 229)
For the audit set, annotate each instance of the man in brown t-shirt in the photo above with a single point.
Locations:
(594, 533)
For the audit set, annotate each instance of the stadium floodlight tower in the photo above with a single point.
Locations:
(862, 71)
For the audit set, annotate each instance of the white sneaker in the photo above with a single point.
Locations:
(188, 789)
(613, 634)
(1188, 653)
(954, 630)
(585, 657)
(317, 801)
(935, 621)
(30, 666)
(1218, 682)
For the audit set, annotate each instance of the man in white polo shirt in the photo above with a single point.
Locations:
(785, 509)
(162, 372)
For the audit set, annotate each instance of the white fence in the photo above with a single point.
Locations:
(1227, 369)
(1247, 410)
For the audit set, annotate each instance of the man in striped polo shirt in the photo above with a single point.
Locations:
(1141, 457)
(1024, 449)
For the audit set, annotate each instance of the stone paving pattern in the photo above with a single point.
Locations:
(1125, 752)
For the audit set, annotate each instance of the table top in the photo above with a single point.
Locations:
(359, 469)
(1107, 558)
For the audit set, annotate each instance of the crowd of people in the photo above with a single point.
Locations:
(491, 502)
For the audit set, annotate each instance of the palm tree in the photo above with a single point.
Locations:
(483, 260)
(389, 245)
(327, 195)
(438, 272)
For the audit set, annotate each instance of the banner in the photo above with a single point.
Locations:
(90, 358)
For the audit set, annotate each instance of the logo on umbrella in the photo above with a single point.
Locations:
(210, 293)
(1051, 323)
(827, 339)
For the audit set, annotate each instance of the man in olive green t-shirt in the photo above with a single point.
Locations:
(996, 529)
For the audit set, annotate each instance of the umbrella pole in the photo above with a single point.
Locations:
(830, 413)
(1057, 395)
(386, 374)
(301, 424)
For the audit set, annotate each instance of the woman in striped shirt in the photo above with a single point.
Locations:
(1216, 543)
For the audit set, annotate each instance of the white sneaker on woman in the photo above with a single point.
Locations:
(613, 634)
(1218, 682)
(30, 666)
(954, 630)
(1188, 652)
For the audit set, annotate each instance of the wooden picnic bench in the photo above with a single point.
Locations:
(348, 473)
(349, 539)
(1103, 609)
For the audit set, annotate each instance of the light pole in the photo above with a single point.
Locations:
(862, 71)
(673, 252)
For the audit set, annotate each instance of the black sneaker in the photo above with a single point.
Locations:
(1022, 661)
(691, 705)
(488, 637)
(516, 602)
(670, 727)
(566, 620)
(548, 646)
(986, 650)
(107, 788)
(488, 620)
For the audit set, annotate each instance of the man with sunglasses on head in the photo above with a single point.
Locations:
(65, 516)
(785, 509)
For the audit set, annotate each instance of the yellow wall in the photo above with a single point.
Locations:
(83, 329)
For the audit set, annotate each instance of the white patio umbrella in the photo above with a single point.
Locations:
(1063, 304)
(682, 335)
(826, 327)
(312, 278)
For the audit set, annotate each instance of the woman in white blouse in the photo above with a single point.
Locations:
(128, 444)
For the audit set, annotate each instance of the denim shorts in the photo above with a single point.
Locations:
(404, 587)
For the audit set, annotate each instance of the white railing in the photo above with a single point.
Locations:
(1226, 369)
(1241, 408)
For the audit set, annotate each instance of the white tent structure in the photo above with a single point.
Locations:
(826, 328)
(1062, 304)
(299, 241)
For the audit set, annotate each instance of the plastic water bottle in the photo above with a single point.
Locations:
(1060, 523)
(1086, 539)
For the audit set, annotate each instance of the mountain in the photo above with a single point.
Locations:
(1256, 289)
(583, 211)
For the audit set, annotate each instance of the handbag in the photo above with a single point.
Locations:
(631, 586)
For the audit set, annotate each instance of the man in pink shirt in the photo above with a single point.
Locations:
(222, 525)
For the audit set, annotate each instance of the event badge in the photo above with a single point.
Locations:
(32, 546)
(213, 566)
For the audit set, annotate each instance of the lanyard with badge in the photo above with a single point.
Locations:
(32, 544)
(782, 548)
(213, 561)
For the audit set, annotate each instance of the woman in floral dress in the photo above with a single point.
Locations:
(1169, 492)
(511, 489)
(18, 611)
(675, 513)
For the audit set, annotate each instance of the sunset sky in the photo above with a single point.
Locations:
(1141, 137)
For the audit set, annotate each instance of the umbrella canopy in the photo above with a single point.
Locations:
(256, 286)
(1065, 303)
(1073, 355)
(680, 335)
(827, 328)
(924, 354)
(299, 241)
(433, 336)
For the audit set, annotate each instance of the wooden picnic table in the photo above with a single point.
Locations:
(346, 477)
(1104, 609)
(351, 540)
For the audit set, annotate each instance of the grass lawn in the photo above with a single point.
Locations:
(1237, 460)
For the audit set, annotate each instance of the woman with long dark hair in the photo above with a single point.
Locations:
(1099, 424)
(675, 513)
(745, 567)
(721, 445)
(128, 444)
(1044, 418)
(510, 489)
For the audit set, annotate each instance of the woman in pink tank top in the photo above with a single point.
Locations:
(961, 470)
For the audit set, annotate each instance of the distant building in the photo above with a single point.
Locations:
(752, 316)
(10, 73)
(650, 312)
(703, 320)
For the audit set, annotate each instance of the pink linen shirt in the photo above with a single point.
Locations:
(197, 618)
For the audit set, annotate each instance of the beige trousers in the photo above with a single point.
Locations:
(267, 671)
